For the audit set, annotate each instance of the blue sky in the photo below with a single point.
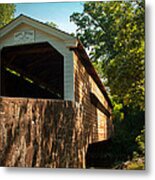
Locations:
(58, 13)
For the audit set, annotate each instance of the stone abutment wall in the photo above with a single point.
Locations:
(43, 133)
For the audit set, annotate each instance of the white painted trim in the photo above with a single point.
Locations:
(38, 25)
(59, 40)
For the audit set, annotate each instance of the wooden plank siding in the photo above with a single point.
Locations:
(84, 86)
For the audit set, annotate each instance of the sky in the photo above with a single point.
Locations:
(57, 12)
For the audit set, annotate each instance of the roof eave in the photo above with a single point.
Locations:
(79, 49)
(36, 24)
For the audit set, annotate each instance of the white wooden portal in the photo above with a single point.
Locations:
(24, 30)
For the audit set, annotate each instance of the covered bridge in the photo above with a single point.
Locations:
(52, 102)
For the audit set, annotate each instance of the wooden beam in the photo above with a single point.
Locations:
(35, 48)
(30, 51)
(34, 79)
(83, 57)
(96, 102)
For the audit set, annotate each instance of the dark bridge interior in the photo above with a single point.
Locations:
(32, 70)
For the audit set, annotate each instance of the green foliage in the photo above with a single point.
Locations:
(6, 13)
(129, 125)
(114, 31)
(140, 140)
(127, 144)
(135, 166)
(52, 24)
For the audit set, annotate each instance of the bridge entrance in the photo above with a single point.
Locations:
(32, 70)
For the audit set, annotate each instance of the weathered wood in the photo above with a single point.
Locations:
(97, 107)
(85, 61)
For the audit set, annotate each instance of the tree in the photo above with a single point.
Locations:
(6, 13)
(52, 24)
(115, 33)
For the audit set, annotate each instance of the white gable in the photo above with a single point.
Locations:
(36, 24)
(24, 30)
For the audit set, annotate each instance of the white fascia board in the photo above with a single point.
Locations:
(9, 27)
(37, 25)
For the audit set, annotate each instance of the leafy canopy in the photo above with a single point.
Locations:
(6, 13)
(114, 33)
